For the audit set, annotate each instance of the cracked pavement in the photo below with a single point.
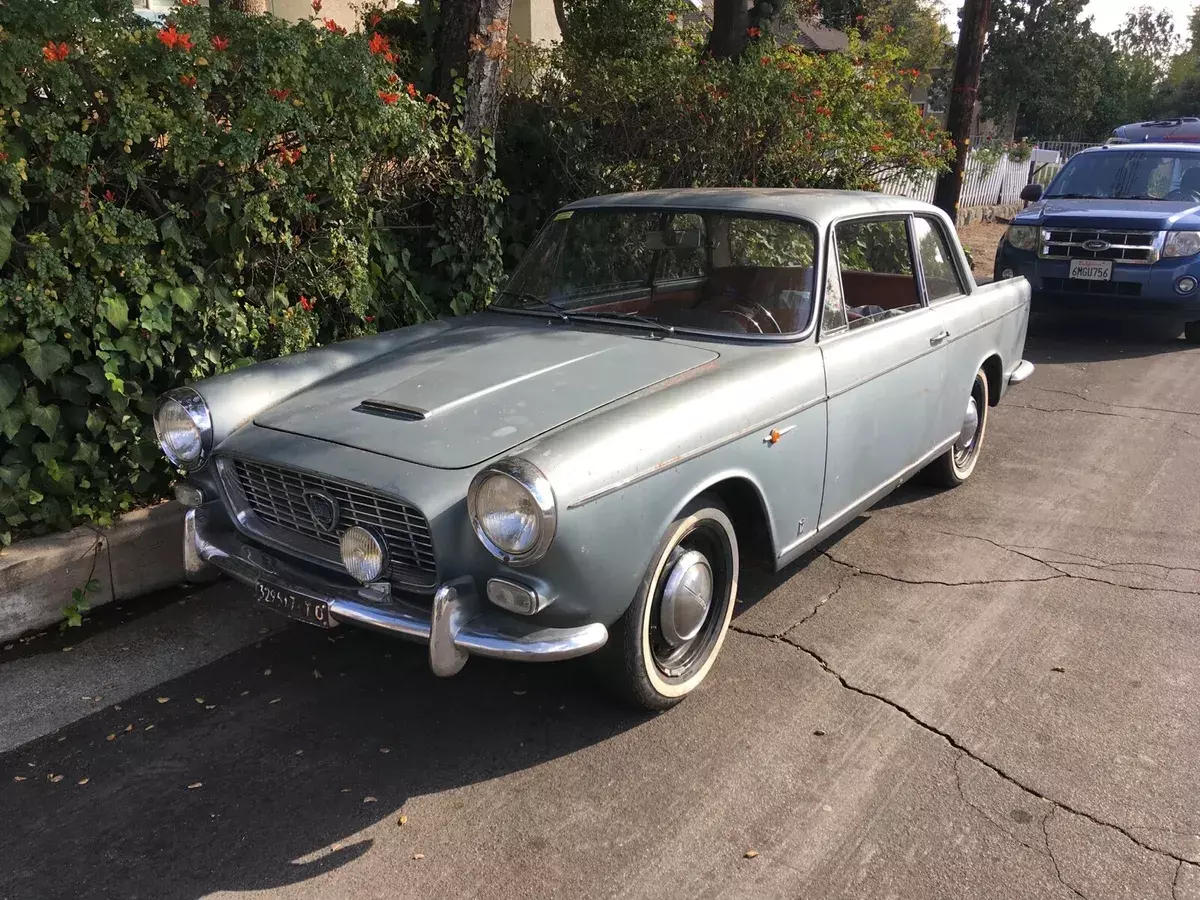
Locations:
(983, 693)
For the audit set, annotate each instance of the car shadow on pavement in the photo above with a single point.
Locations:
(263, 769)
(1079, 340)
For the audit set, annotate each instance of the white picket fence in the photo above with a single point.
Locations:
(983, 185)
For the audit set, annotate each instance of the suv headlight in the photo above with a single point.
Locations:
(184, 428)
(1023, 237)
(1181, 243)
(512, 510)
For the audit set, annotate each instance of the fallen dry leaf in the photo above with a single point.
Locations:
(210, 706)
(345, 790)
(1058, 669)
(243, 693)
(418, 856)
(19, 778)
(750, 854)
(266, 671)
(276, 700)
(200, 700)
(83, 781)
(55, 779)
(369, 800)
(299, 752)
(150, 727)
(129, 727)
(163, 699)
(818, 732)
(117, 707)
(67, 649)
(316, 673)
(403, 820)
(111, 737)
(385, 749)
(85, 697)
(194, 785)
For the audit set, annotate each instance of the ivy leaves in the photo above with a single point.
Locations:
(44, 358)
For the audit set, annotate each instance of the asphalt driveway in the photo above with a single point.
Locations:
(990, 693)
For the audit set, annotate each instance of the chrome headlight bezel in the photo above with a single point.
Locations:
(1023, 237)
(530, 479)
(1181, 244)
(197, 411)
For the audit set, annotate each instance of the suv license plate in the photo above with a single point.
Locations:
(1091, 269)
(293, 605)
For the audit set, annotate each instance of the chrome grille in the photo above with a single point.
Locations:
(1134, 247)
(275, 496)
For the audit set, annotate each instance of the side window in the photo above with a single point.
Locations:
(875, 259)
(942, 278)
(833, 309)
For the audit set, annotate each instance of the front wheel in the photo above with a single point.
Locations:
(955, 466)
(664, 645)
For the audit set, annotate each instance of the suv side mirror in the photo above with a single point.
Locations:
(1032, 193)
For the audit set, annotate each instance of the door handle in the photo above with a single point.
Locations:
(939, 338)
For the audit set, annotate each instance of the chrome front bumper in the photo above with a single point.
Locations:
(458, 624)
(1021, 373)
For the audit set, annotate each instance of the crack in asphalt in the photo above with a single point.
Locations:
(958, 745)
(958, 757)
(932, 581)
(1071, 409)
(1053, 859)
(1087, 399)
(1175, 881)
(845, 579)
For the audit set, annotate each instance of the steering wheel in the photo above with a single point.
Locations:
(1189, 196)
(752, 310)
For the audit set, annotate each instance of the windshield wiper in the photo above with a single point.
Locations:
(528, 298)
(648, 321)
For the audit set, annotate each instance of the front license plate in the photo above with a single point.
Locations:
(1091, 269)
(294, 605)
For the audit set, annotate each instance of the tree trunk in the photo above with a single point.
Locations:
(473, 45)
(961, 117)
(249, 7)
(560, 14)
(731, 18)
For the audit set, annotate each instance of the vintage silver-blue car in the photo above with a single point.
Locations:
(672, 383)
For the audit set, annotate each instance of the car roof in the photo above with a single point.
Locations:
(1159, 146)
(818, 206)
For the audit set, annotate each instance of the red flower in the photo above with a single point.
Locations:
(368, 319)
(376, 18)
(110, 196)
(888, 29)
(393, 78)
(818, 93)
(390, 57)
(877, 148)
(289, 157)
(53, 52)
(279, 94)
(219, 43)
(388, 98)
(187, 80)
(173, 39)
(765, 61)
(430, 98)
(3, 157)
(754, 31)
(671, 17)
(412, 90)
(316, 5)
(306, 304)
(310, 197)
(378, 44)
(189, 2)
(334, 27)
(824, 111)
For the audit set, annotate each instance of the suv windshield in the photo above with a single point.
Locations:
(706, 271)
(1130, 175)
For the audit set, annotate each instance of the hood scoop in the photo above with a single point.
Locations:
(392, 410)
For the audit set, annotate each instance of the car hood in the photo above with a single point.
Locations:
(479, 389)
(1133, 215)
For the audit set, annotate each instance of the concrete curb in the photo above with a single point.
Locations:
(142, 552)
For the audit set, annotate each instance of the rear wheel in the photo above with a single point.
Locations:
(664, 645)
(955, 466)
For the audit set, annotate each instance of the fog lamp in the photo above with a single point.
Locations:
(363, 554)
(1186, 284)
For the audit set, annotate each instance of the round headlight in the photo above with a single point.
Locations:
(512, 510)
(363, 554)
(184, 428)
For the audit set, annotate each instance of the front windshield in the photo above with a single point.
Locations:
(1130, 175)
(707, 271)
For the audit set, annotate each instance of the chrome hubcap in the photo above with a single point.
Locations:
(970, 428)
(686, 599)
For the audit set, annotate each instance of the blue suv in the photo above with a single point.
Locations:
(1116, 233)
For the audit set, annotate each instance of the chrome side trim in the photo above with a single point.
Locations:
(461, 623)
(643, 474)
(1021, 373)
(836, 521)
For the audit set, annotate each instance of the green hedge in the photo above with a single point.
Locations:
(178, 202)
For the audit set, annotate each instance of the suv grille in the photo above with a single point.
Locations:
(276, 497)
(1134, 247)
